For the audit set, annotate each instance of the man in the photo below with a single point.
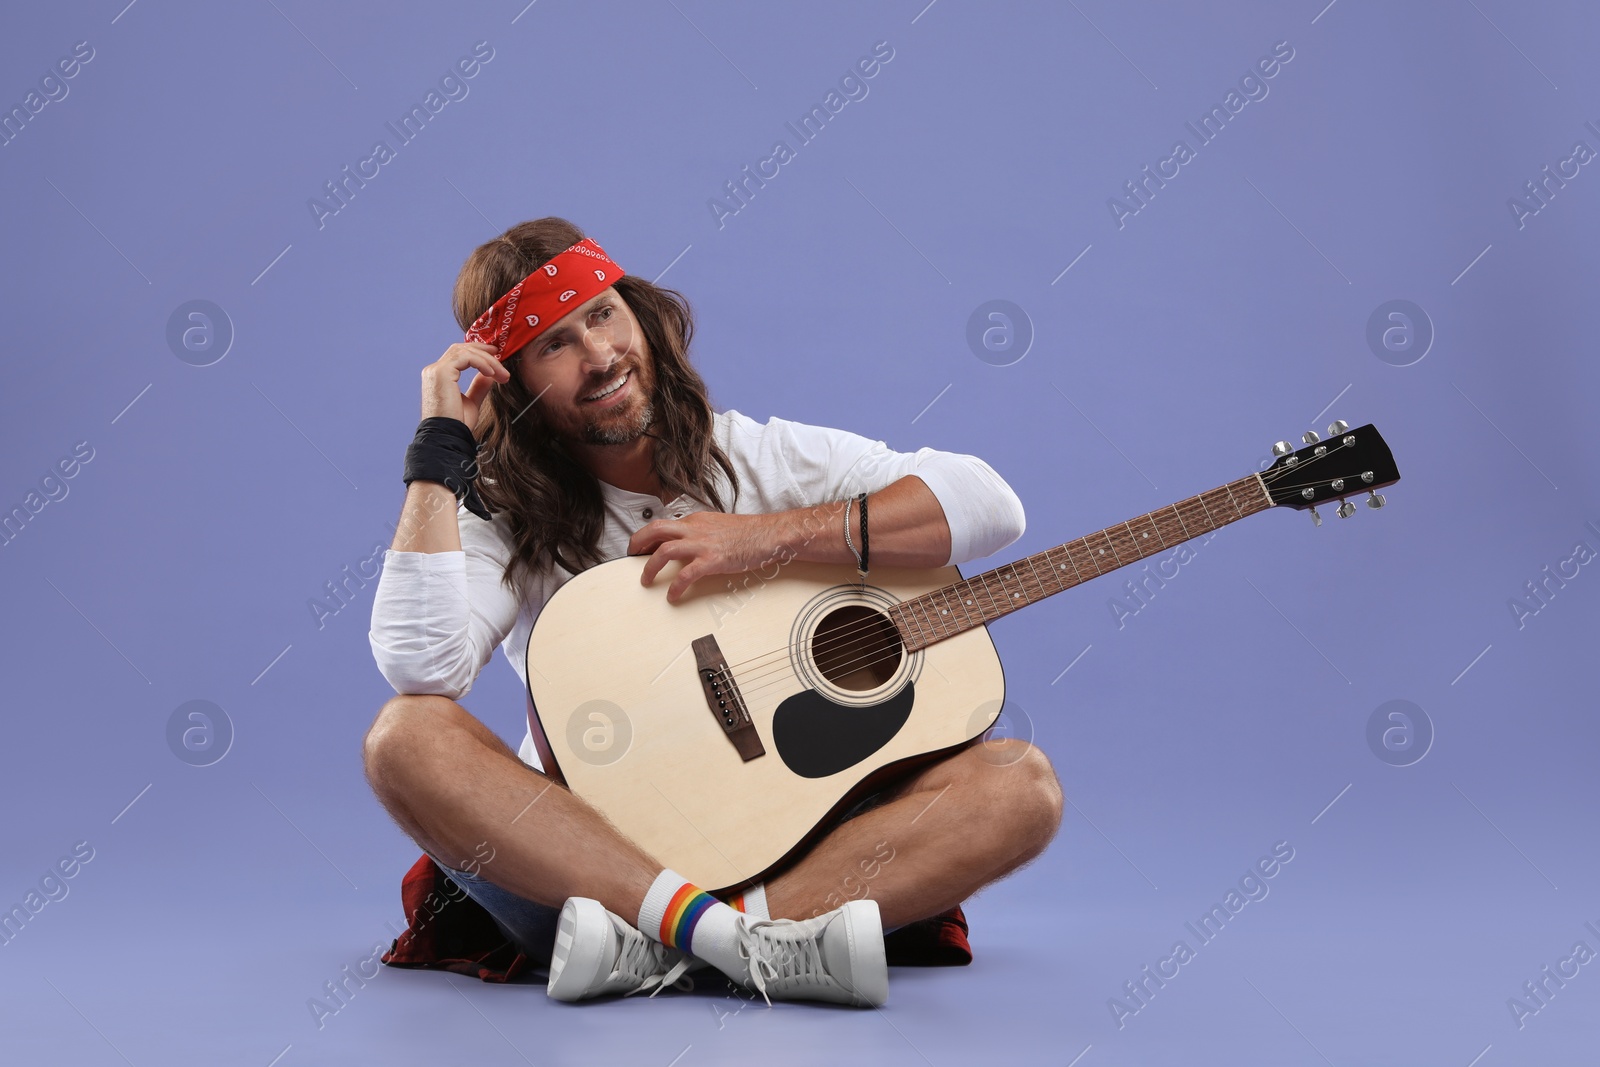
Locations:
(598, 439)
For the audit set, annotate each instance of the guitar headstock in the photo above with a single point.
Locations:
(1347, 463)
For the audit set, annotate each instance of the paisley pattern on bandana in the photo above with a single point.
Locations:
(538, 301)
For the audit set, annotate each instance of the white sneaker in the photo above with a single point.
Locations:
(598, 952)
(837, 956)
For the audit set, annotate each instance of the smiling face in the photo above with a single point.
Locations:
(592, 372)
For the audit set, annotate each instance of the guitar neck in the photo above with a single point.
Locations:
(984, 597)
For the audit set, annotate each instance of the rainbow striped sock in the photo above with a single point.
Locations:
(752, 901)
(684, 916)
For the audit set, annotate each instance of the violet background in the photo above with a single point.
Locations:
(1167, 355)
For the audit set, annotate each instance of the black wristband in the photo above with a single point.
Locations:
(863, 499)
(445, 451)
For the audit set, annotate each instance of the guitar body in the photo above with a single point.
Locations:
(618, 685)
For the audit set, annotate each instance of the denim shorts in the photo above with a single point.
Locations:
(532, 926)
(525, 923)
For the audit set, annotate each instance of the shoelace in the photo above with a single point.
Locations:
(639, 961)
(676, 976)
(774, 956)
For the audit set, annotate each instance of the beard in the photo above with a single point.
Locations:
(620, 429)
(575, 422)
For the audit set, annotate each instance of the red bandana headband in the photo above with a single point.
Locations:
(540, 300)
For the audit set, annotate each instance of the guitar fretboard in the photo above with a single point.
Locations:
(974, 601)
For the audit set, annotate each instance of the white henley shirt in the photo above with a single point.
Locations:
(437, 616)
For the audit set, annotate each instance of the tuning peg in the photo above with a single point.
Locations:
(1374, 500)
(1316, 520)
(1337, 427)
(1346, 509)
(1282, 448)
(1310, 437)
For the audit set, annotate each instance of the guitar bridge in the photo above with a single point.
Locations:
(724, 699)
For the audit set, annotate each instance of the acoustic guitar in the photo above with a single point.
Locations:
(722, 733)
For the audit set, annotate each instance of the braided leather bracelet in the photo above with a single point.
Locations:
(863, 535)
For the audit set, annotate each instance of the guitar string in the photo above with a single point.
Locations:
(778, 666)
(856, 630)
(780, 659)
(830, 644)
(844, 636)
(1109, 532)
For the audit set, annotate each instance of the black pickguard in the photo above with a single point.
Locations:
(816, 737)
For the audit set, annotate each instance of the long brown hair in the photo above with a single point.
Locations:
(552, 503)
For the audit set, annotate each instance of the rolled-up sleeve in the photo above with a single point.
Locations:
(983, 512)
(438, 616)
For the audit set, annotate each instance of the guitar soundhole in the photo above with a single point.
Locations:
(856, 648)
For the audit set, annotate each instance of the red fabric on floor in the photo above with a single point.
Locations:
(448, 930)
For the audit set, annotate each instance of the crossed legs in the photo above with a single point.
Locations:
(945, 830)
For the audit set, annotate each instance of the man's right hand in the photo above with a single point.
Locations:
(441, 382)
